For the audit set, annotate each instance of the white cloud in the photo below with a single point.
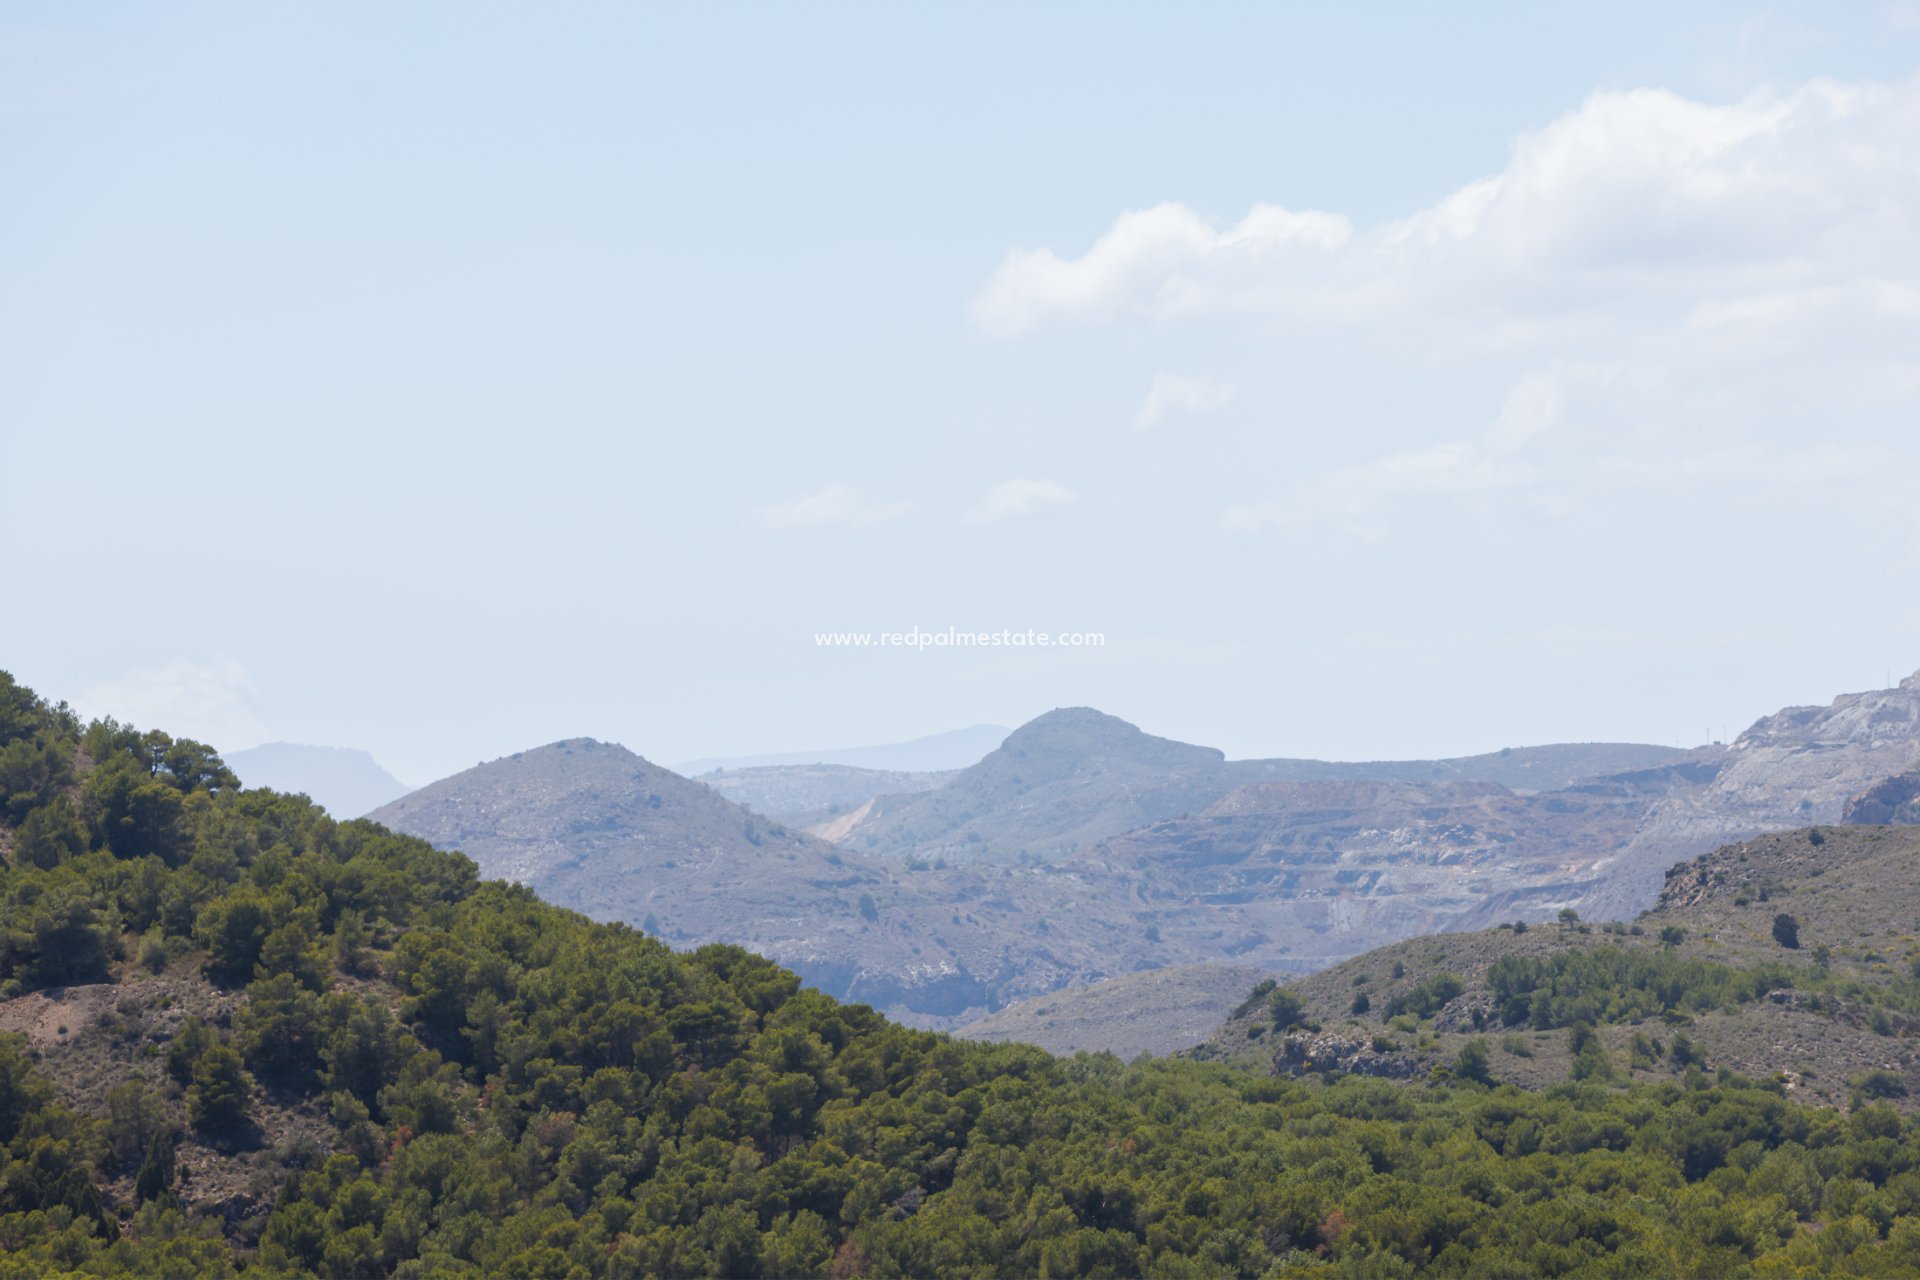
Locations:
(1642, 199)
(835, 506)
(1670, 292)
(1144, 267)
(211, 701)
(1019, 497)
(1176, 395)
(1640, 439)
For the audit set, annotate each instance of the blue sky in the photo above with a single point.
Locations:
(448, 379)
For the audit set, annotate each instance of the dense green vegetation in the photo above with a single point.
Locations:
(1603, 985)
(1608, 984)
(509, 1089)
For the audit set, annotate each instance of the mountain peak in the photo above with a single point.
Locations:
(1072, 775)
(1084, 733)
(571, 764)
(548, 810)
(567, 746)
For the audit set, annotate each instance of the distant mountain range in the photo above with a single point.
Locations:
(955, 749)
(348, 782)
(1076, 775)
(1082, 849)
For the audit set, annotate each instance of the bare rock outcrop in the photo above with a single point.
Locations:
(1892, 800)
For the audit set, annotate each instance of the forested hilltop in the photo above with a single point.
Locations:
(247, 1038)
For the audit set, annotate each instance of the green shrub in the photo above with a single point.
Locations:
(217, 1098)
(1428, 998)
(1786, 931)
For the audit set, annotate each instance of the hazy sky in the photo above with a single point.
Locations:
(1381, 382)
